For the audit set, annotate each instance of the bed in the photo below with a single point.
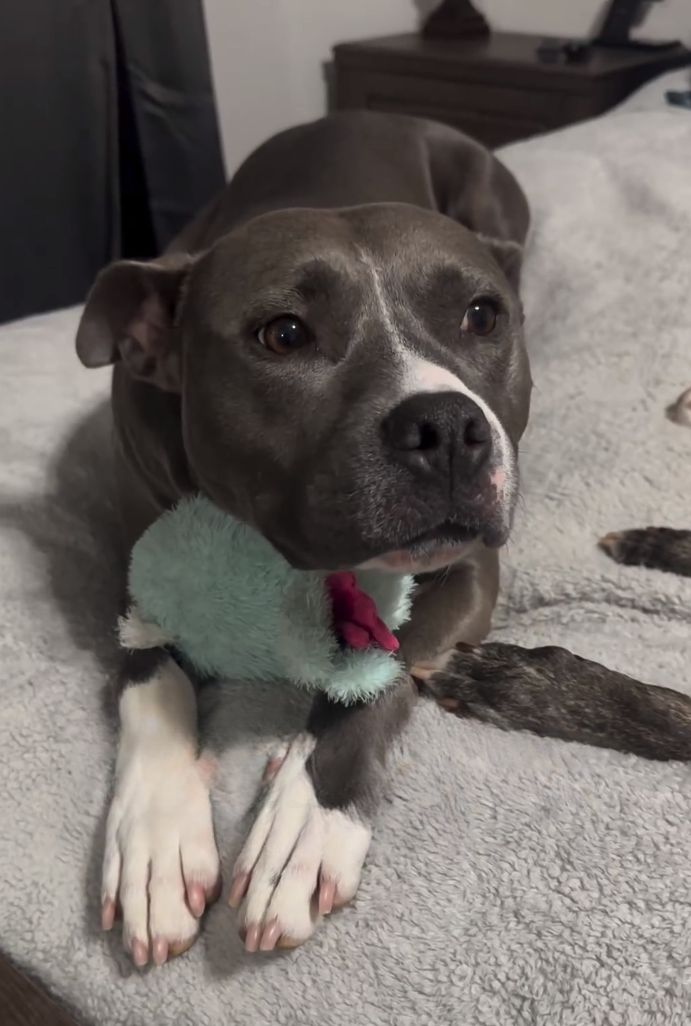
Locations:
(512, 879)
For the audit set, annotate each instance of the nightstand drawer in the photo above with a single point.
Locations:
(494, 87)
(494, 114)
(493, 130)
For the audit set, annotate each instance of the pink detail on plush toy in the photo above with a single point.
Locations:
(355, 617)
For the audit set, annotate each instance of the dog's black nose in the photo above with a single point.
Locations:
(440, 433)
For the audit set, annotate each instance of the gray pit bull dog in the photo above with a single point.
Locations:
(333, 351)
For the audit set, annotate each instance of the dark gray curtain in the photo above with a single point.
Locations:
(108, 139)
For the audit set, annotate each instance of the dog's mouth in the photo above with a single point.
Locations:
(334, 541)
(447, 533)
(430, 550)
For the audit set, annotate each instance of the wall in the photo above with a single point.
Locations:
(268, 58)
(668, 20)
(268, 55)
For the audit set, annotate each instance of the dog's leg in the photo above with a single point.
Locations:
(451, 607)
(547, 691)
(555, 693)
(160, 865)
(305, 852)
(660, 548)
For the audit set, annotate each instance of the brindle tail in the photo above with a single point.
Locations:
(554, 693)
(660, 548)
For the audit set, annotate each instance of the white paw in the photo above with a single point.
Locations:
(299, 861)
(160, 863)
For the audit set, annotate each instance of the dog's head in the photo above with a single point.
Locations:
(354, 383)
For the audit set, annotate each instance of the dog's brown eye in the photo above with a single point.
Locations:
(283, 335)
(480, 318)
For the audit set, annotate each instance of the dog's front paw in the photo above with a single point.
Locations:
(161, 865)
(300, 860)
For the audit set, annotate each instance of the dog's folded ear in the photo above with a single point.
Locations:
(509, 256)
(130, 314)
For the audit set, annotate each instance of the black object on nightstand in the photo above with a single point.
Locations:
(620, 18)
(495, 87)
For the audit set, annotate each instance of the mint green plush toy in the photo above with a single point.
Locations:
(214, 589)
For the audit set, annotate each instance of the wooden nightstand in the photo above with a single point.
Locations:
(494, 88)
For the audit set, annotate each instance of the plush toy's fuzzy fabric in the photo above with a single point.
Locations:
(214, 588)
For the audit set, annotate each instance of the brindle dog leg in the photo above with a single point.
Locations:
(660, 548)
(554, 693)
